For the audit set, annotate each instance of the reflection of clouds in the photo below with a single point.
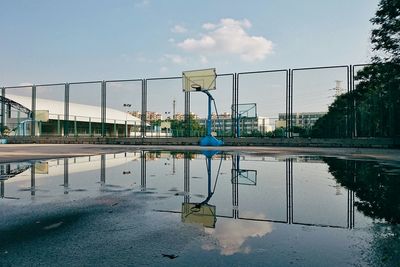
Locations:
(231, 234)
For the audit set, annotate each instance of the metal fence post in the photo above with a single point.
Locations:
(144, 108)
(187, 115)
(3, 109)
(235, 89)
(290, 107)
(66, 109)
(103, 108)
(33, 110)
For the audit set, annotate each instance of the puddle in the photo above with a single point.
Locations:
(228, 209)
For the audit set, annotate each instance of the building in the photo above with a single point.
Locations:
(150, 115)
(299, 119)
(179, 116)
(223, 124)
(50, 118)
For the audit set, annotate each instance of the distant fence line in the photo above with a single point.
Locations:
(293, 92)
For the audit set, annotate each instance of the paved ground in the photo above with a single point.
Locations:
(21, 152)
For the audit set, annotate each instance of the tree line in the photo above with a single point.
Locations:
(372, 108)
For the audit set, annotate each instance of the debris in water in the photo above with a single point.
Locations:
(53, 226)
(170, 256)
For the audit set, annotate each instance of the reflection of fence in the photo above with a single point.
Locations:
(290, 103)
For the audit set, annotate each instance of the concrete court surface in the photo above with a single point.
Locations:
(21, 152)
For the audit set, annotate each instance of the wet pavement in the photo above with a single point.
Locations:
(163, 208)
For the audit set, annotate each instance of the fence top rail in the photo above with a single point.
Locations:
(18, 86)
(164, 78)
(179, 77)
(49, 84)
(263, 71)
(124, 80)
(225, 74)
(322, 67)
(86, 82)
(362, 65)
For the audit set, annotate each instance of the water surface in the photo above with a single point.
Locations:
(211, 208)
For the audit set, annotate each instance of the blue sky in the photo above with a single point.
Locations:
(56, 41)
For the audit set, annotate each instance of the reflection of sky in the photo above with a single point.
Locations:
(75, 165)
(231, 234)
(314, 189)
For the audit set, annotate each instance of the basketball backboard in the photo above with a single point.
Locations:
(247, 110)
(199, 80)
(244, 177)
(203, 214)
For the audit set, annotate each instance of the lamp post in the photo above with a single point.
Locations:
(127, 106)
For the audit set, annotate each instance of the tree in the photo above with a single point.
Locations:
(191, 127)
(385, 38)
(373, 106)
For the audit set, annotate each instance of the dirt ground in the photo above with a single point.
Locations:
(22, 152)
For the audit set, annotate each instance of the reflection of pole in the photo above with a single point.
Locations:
(173, 165)
(2, 189)
(143, 170)
(209, 175)
(289, 190)
(350, 200)
(2, 181)
(186, 178)
(66, 176)
(103, 170)
(33, 173)
(235, 186)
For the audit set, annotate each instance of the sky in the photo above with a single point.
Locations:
(46, 41)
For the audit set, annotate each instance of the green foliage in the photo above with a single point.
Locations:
(376, 187)
(155, 123)
(186, 128)
(385, 38)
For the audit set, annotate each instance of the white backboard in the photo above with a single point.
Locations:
(199, 80)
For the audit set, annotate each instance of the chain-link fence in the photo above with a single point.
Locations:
(323, 102)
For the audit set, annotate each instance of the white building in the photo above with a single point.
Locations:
(83, 119)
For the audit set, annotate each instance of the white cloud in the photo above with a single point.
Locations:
(232, 234)
(177, 59)
(142, 3)
(203, 59)
(178, 29)
(141, 58)
(229, 36)
(163, 70)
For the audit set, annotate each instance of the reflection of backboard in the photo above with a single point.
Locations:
(199, 80)
(244, 177)
(203, 214)
(42, 167)
(248, 110)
